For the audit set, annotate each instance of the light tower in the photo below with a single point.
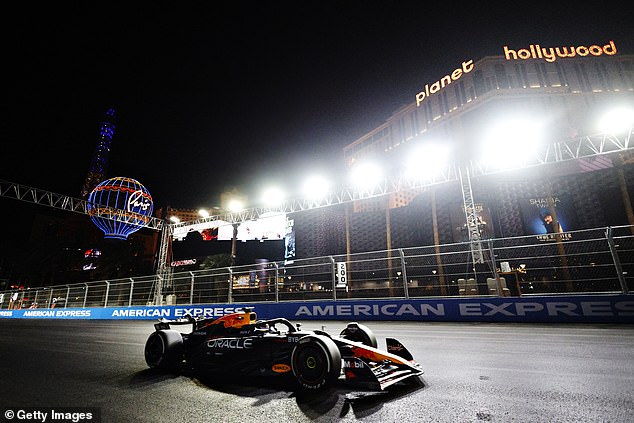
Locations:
(99, 162)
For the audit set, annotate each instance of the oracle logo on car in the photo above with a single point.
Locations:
(231, 343)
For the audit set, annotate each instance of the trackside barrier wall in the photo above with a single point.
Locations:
(560, 309)
(532, 273)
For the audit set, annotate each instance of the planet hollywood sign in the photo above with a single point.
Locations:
(534, 52)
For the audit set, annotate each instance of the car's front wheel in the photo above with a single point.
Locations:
(316, 362)
(164, 350)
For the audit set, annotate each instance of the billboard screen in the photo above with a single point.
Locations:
(543, 216)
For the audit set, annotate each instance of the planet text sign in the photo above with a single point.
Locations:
(444, 81)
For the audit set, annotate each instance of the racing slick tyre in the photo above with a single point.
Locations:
(164, 350)
(359, 333)
(316, 362)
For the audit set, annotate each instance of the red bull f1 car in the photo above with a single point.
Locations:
(238, 343)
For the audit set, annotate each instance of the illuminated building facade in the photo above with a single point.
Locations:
(568, 95)
(572, 92)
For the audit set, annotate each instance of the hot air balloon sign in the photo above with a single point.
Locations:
(120, 206)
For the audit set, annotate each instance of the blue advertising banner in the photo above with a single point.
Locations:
(560, 309)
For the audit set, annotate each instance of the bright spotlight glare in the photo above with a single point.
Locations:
(618, 120)
(203, 213)
(235, 206)
(273, 197)
(174, 219)
(366, 175)
(427, 161)
(512, 142)
(316, 187)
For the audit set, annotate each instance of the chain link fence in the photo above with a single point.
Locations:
(589, 261)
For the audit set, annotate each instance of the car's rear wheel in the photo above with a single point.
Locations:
(359, 333)
(164, 350)
(316, 362)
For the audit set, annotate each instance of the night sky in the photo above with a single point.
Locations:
(239, 94)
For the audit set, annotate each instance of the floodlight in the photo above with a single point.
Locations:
(203, 213)
(427, 161)
(174, 219)
(273, 197)
(235, 206)
(511, 142)
(366, 175)
(316, 187)
(617, 120)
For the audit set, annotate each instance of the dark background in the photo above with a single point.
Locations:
(211, 96)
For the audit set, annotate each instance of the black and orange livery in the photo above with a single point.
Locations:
(240, 343)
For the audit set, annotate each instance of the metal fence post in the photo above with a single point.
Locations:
(85, 295)
(191, 290)
(105, 302)
(67, 295)
(498, 282)
(230, 294)
(158, 294)
(404, 273)
(616, 260)
(277, 288)
(333, 274)
(131, 290)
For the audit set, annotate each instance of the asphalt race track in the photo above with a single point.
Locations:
(473, 373)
